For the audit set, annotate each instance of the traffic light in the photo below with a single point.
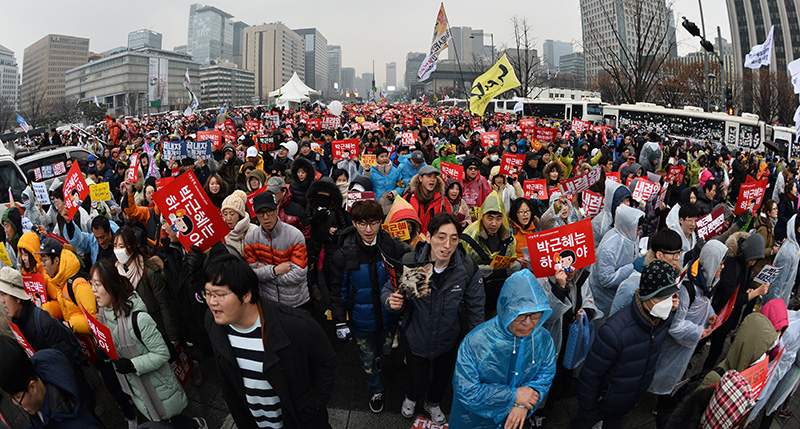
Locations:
(729, 99)
(691, 27)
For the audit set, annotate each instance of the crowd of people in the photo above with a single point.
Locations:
(313, 247)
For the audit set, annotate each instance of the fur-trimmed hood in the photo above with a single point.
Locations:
(306, 165)
(327, 185)
(550, 166)
(413, 185)
(733, 242)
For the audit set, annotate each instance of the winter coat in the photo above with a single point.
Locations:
(432, 324)
(68, 274)
(476, 191)
(693, 172)
(299, 364)
(382, 184)
(787, 207)
(763, 227)
(322, 219)
(509, 192)
(451, 158)
(492, 362)
(430, 209)
(152, 360)
(283, 244)
(622, 361)
(650, 150)
(459, 209)
(704, 205)
(407, 171)
(787, 258)
(358, 275)
(615, 256)
(152, 290)
(551, 219)
(604, 221)
(290, 213)
(520, 232)
(689, 320)
(85, 242)
(235, 238)
(781, 384)
(477, 235)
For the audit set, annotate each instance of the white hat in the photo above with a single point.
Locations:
(252, 152)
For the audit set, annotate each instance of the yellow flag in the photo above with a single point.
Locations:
(497, 80)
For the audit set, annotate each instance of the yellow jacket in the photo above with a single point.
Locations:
(67, 268)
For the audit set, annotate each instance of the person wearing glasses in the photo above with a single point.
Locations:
(277, 253)
(276, 365)
(476, 187)
(45, 386)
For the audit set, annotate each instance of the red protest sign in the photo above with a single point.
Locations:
(675, 173)
(230, 138)
(580, 126)
(751, 194)
(353, 197)
(252, 126)
(219, 127)
(424, 423)
(711, 224)
(512, 163)
(475, 123)
(571, 246)
(408, 121)
(614, 176)
(101, 334)
(545, 135)
(182, 366)
(250, 197)
(535, 189)
(75, 189)
(407, 138)
(229, 126)
(452, 170)
(20, 338)
(756, 376)
(34, 285)
(528, 127)
(749, 179)
(490, 138)
(645, 190)
(576, 185)
(723, 314)
(87, 347)
(314, 124)
(214, 136)
(340, 146)
(133, 171)
(592, 203)
(160, 183)
(187, 209)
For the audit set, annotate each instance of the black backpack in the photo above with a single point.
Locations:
(73, 342)
(173, 352)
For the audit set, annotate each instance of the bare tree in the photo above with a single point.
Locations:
(6, 114)
(632, 58)
(672, 87)
(768, 95)
(522, 56)
(35, 113)
(62, 110)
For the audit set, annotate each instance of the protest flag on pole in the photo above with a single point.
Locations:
(497, 80)
(760, 55)
(441, 37)
(22, 123)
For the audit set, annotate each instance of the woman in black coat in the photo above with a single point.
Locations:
(787, 207)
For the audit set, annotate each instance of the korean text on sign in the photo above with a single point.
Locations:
(353, 197)
(571, 246)
(489, 139)
(101, 334)
(512, 163)
(452, 170)
(535, 189)
(592, 203)
(579, 184)
(75, 189)
(398, 230)
(711, 224)
(751, 194)
(675, 173)
(645, 190)
(340, 146)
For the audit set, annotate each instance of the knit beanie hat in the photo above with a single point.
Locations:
(753, 247)
(237, 201)
(657, 281)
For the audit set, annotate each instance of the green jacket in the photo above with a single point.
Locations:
(492, 203)
(437, 163)
(695, 169)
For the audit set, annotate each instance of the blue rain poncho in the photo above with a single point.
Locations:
(786, 259)
(492, 362)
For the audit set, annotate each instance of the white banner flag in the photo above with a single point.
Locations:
(95, 102)
(760, 55)
(441, 37)
(794, 72)
(186, 82)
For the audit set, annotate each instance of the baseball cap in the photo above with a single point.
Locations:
(275, 184)
(252, 152)
(50, 246)
(91, 158)
(265, 200)
(417, 156)
(11, 283)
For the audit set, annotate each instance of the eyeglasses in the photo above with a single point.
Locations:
(532, 317)
(216, 297)
(266, 212)
(21, 398)
(524, 212)
(675, 255)
(472, 168)
(373, 225)
(95, 284)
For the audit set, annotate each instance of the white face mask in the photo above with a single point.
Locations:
(493, 157)
(662, 309)
(122, 255)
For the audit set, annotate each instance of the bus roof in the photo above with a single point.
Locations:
(746, 118)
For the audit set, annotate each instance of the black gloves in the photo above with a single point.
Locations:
(195, 258)
(124, 366)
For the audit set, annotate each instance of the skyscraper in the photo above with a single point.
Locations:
(210, 34)
(9, 78)
(553, 50)
(348, 79)
(391, 74)
(460, 47)
(413, 85)
(750, 23)
(334, 70)
(44, 67)
(273, 52)
(572, 67)
(144, 38)
(238, 31)
(316, 58)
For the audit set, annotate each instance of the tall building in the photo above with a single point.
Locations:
(9, 77)
(347, 83)
(671, 36)
(238, 31)
(44, 65)
(144, 39)
(273, 52)
(572, 67)
(461, 46)
(552, 50)
(210, 34)
(181, 48)
(391, 74)
(334, 71)
(722, 46)
(750, 23)
(413, 85)
(606, 22)
(316, 52)
(222, 84)
(367, 79)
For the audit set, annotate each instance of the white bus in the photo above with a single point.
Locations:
(745, 131)
(587, 109)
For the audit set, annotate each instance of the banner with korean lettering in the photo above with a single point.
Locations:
(215, 137)
(35, 287)
(452, 170)
(331, 122)
(189, 213)
(252, 196)
(102, 334)
(340, 146)
(592, 203)
(314, 124)
(75, 190)
(497, 80)
(528, 128)
(580, 126)
(571, 246)
(512, 163)
(535, 189)
(576, 185)
(20, 338)
(490, 138)
(645, 190)
(711, 224)
(133, 170)
(751, 194)
(407, 138)
(546, 135)
(355, 196)
(266, 143)
(183, 149)
(675, 173)
(614, 177)
(252, 126)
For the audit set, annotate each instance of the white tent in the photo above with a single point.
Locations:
(294, 91)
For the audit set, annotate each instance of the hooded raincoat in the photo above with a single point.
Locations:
(551, 219)
(787, 374)
(604, 221)
(786, 258)
(673, 223)
(493, 362)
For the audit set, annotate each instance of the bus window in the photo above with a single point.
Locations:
(546, 110)
(594, 109)
(577, 111)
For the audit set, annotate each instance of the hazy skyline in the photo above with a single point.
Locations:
(366, 30)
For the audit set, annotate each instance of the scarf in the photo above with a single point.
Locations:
(383, 168)
(772, 222)
(237, 234)
(425, 196)
(133, 271)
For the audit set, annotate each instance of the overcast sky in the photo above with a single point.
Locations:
(367, 30)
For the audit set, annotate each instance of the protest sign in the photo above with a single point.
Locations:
(187, 209)
(535, 189)
(428, 122)
(199, 149)
(768, 274)
(133, 170)
(545, 135)
(756, 376)
(398, 230)
(528, 128)
(579, 184)
(100, 192)
(751, 194)
(645, 190)
(354, 196)
(369, 160)
(452, 170)
(389, 149)
(512, 163)
(250, 198)
(252, 126)
(49, 171)
(723, 314)
(331, 122)
(86, 345)
(182, 366)
(215, 137)
(675, 173)
(4, 256)
(75, 190)
(314, 124)
(40, 190)
(580, 126)
(340, 146)
(408, 121)
(101, 334)
(475, 123)
(266, 143)
(407, 138)
(662, 195)
(20, 338)
(614, 177)
(370, 126)
(230, 138)
(173, 150)
(570, 246)
(425, 423)
(711, 224)
(34, 285)
(490, 138)
(219, 127)
(592, 203)
(164, 181)
(500, 262)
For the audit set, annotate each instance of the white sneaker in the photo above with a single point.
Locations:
(201, 423)
(132, 424)
(407, 410)
(436, 413)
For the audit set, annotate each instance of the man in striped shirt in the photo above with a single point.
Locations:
(275, 361)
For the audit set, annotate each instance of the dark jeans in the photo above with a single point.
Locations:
(370, 346)
(584, 420)
(109, 376)
(420, 380)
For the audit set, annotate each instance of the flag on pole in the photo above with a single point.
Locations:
(22, 124)
(760, 55)
(497, 80)
(441, 37)
(193, 105)
(187, 83)
(96, 103)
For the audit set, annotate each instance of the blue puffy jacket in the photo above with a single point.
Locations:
(621, 362)
(492, 362)
(407, 171)
(382, 184)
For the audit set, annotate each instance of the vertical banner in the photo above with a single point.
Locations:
(133, 170)
(101, 334)
(592, 203)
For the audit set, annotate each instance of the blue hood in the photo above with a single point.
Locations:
(521, 294)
